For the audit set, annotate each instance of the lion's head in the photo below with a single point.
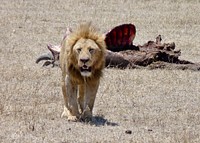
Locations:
(88, 56)
(86, 53)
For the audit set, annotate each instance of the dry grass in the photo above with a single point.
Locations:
(157, 105)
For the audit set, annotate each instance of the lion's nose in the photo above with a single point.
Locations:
(84, 60)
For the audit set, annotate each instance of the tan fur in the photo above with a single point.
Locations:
(80, 86)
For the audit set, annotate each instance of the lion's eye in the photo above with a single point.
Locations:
(91, 50)
(79, 50)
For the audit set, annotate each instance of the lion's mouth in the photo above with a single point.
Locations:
(85, 70)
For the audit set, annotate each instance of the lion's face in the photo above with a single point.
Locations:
(87, 54)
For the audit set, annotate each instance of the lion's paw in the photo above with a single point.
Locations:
(72, 118)
(86, 115)
(66, 113)
(69, 117)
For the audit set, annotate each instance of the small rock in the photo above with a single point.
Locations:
(128, 132)
(32, 127)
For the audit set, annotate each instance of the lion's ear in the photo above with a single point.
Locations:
(103, 36)
(101, 42)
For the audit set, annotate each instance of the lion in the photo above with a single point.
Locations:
(82, 60)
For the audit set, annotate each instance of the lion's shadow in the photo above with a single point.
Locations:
(101, 121)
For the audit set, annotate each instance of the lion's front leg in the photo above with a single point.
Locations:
(89, 98)
(70, 98)
(81, 90)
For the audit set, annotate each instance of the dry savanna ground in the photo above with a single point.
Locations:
(136, 105)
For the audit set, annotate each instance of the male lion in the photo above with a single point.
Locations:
(82, 59)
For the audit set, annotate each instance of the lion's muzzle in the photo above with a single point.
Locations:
(84, 60)
(86, 71)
